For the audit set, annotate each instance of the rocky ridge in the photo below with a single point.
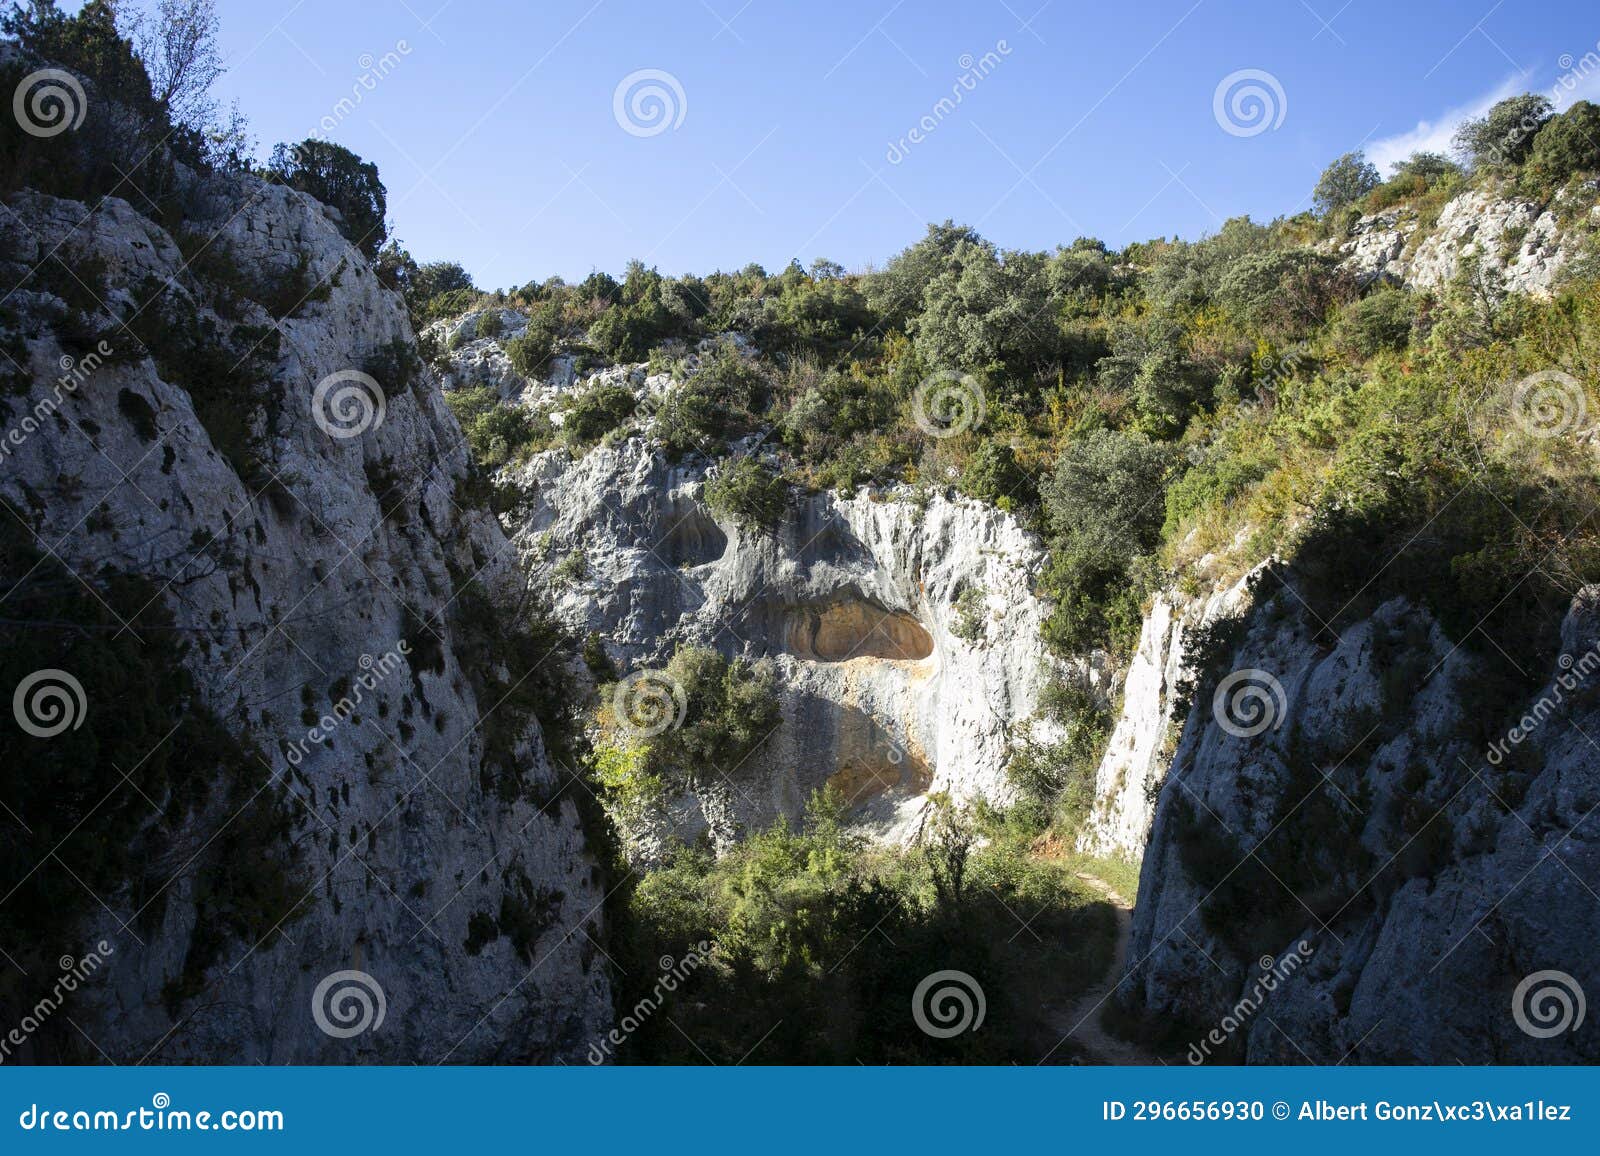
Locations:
(345, 555)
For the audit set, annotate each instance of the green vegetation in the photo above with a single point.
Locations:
(1344, 182)
(592, 414)
(727, 710)
(747, 492)
(498, 434)
(338, 178)
(818, 942)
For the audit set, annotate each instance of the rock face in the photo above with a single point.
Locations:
(1523, 245)
(346, 556)
(1140, 751)
(853, 599)
(1358, 816)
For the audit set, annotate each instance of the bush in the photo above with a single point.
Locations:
(789, 912)
(729, 709)
(972, 614)
(340, 179)
(992, 473)
(716, 401)
(597, 411)
(747, 493)
(1567, 145)
(532, 351)
(1344, 182)
(1102, 506)
(489, 323)
(497, 433)
(1503, 137)
(1379, 321)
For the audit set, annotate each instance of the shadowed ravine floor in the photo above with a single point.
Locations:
(1079, 1023)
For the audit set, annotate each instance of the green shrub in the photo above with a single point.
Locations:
(748, 493)
(597, 411)
(991, 473)
(497, 433)
(814, 944)
(337, 177)
(1103, 508)
(1380, 321)
(972, 614)
(1344, 182)
(1567, 145)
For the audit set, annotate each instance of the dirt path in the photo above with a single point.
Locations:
(1079, 1021)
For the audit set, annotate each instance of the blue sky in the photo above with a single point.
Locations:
(495, 131)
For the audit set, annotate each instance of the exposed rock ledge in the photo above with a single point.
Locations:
(1521, 242)
(852, 598)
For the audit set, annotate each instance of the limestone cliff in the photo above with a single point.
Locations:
(888, 690)
(313, 561)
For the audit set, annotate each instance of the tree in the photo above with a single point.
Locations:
(895, 294)
(179, 51)
(438, 277)
(747, 493)
(1567, 144)
(1103, 508)
(343, 181)
(986, 306)
(1425, 167)
(1344, 182)
(1503, 137)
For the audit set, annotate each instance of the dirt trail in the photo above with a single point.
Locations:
(1079, 1021)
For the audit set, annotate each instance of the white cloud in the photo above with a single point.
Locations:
(1434, 135)
(1578, 83)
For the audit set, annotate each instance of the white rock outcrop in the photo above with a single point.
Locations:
(1140, 750)
(340, 551)
(1522, 245)
(853, 599)
(1366, 831)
